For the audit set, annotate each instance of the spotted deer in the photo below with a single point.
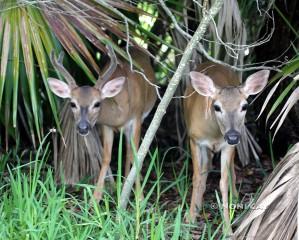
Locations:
(214, 116)
(120, 99)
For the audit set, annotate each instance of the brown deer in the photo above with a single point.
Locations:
(215, 116)
(120, 99)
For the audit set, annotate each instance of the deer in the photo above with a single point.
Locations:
(215, 106)
(120, 99)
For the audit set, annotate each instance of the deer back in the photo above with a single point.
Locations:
(136, 98)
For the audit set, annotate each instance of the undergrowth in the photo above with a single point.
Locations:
(32, 206)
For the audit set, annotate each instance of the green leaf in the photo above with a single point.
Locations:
(280, 99)
(41, 59)
(29, 65)
(4, 56)
(15, 61)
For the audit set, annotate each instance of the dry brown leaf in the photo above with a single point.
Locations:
(274, 215)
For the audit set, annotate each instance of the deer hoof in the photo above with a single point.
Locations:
(190, 217)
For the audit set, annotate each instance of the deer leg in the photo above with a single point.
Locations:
(226, 157)
(107, 147)
(133, 132)
(200, 174)
(233, 174)
(210, 157)
(129, 155)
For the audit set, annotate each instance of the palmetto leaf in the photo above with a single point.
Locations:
(29, 31)
(285, 71)
(294, 97)
(26, 42)
(16, 59)
(4, 56)
(274, 214)
(286, 109)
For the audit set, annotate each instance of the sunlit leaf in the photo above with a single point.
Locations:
(270, 94)
(280, 98)
(4, 57)
(285, 71)
(41, 59)
(286, 109)
(29, 65)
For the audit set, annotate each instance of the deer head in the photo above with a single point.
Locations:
(229, 104)
(85, 101)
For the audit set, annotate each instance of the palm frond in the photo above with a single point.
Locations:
(292, 100)
(274, 213)
(29, 31)
(231, 30)
(287, 70)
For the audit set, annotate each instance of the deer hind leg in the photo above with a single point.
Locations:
(226, 157)
(132, 132)
(108, 136)
(200, 173)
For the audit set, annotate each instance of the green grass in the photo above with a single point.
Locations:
(33, 207)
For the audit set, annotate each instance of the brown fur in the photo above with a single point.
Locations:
(122, 102)
(136, 98)
(126, 110)
(197, 106)
(202, 126)
(215, 116)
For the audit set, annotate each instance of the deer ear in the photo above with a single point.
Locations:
(60, 88)
(256, 82)
(203, 84)
(113, 87)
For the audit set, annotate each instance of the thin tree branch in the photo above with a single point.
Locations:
(202, 50)
(161, 110)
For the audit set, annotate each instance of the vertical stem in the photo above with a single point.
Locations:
(161, 110)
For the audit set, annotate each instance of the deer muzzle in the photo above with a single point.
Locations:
(232, 137)
(83, 128)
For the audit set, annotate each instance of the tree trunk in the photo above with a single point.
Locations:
(161, 110)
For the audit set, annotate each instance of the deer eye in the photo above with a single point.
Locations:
(245, 107)
(217, 108)
(97, 105)
(73, 105)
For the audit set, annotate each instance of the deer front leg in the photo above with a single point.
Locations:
(233, 174)
(129, 153)
(132, 131)
(226, 157)
(200, 173)
(107, 147)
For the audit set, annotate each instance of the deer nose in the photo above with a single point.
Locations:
(83, 128)
(232, 137)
